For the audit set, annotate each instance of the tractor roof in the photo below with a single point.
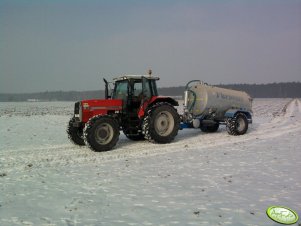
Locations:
(136, 77)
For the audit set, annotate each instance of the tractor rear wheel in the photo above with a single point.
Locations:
(101, 133)
(161, 123)
(75, 134)
(238, 125)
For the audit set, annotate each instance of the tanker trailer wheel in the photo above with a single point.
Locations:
(237, 125)
(161, 123)
(75, 134)
(209, 129)
(101, 133)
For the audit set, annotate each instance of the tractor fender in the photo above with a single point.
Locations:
(157, 99)
(153, 100)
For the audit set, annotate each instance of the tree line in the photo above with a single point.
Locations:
(273, 90)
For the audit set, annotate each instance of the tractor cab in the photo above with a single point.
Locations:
(133, 90)
(136, 92)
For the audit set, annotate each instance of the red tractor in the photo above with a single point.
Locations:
(133, 106)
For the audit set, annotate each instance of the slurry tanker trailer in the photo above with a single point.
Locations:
(135, 107)
(206, 107)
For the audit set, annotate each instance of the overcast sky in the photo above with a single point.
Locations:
(71, 44)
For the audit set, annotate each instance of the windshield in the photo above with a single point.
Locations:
(120, 90)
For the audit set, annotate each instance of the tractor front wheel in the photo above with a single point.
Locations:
(161, 123)
(75, 134)
(101, 133)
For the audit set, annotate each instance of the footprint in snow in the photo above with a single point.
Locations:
(3, 174)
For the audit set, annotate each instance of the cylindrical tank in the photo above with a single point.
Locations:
(204, 99)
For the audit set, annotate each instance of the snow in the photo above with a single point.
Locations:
(199, 179)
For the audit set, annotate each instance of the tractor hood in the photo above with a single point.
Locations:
(90, 108)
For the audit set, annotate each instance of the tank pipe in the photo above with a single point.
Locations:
(194, 100)
(186, 87)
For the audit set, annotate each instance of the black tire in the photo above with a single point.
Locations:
(209, 129)
(75, 134)
(161, 123)
(238, 125)
(101, 133)
(135, 137)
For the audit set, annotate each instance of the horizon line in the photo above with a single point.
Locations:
(67, 91)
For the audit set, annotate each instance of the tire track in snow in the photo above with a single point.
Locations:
(288, 121)
(299, 104)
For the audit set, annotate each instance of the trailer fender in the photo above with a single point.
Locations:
(232, 112)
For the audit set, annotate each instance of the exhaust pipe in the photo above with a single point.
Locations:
(106, 89)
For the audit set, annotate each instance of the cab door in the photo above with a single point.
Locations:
(147, 95)
(121, 91)
(146, 89)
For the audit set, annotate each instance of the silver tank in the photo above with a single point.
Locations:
(203, 99)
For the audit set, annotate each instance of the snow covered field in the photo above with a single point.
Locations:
(199, 179)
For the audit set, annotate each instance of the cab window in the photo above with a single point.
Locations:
(137, 88)
(146, 87)
(154, 88)
(121, 90)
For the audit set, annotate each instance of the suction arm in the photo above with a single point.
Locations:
(187, 85)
